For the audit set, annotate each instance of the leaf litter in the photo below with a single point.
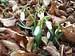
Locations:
(37, 27)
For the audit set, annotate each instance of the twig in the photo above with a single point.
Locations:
(62, 50)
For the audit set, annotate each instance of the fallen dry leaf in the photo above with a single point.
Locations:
(22, 1)
(30, 43)
(22, 53)
(8, 21)
(53, 7)
(52, 50)
(10, 34)
(11, 45)
(3, 50)
(69, 33)
(29, 21)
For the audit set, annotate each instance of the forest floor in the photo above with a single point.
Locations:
(37, 28)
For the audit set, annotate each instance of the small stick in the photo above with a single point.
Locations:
(62, 50)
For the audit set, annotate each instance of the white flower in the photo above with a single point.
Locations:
(46, 2)
(49, 25)
(22, 16)
(48, 35)
(41, 15)
(37, 30)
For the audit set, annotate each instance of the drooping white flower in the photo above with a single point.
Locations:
(22, 16)
(37, 30)
(48, 34)
(41, 15)
(49, 25)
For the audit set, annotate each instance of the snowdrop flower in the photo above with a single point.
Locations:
(37, 30)
(49, 25)
(41, 15)
(48, 34)
(22, 16)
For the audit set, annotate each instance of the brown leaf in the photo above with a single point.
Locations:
(3, 50)
(34, 2)
(58, 19)
(15, 28)
(22, 53)
(11, 45)
(53, 7)
(52, 50)
(10, 34)
(29, 21)
(60, 13)
(69, 33)
(8, 21)
(71, 18)
(22, 1)
(30, 43)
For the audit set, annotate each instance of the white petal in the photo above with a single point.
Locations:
(40, 15)
(37, 30)
(49, 25)
(22, 16)
(48, 35)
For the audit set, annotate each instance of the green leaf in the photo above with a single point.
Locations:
(38, 34)
(4, 2)
(21, 24)
(38, 40)
(46, 18)
(34, 21)
(52, 35)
